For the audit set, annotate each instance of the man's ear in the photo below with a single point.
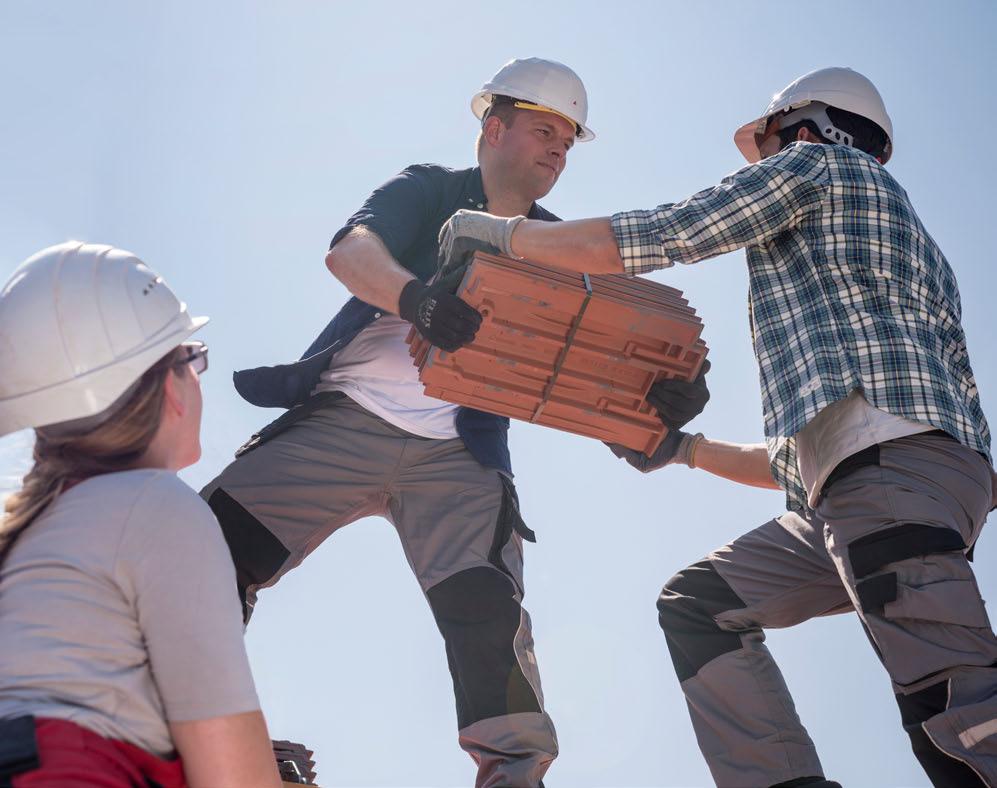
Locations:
(805, 135)
(492, 130)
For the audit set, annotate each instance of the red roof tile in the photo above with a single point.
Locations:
(567, 351)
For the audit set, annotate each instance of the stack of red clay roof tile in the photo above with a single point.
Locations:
(566, 350)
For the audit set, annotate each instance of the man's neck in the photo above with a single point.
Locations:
(502, 200)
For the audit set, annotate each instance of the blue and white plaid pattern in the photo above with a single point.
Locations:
(847, 290)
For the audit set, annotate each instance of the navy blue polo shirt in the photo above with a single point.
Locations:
(406, 213)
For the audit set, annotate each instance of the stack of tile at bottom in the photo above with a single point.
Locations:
(565, 350)
(294, 762)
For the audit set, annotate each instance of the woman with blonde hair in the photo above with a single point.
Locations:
(122, 660)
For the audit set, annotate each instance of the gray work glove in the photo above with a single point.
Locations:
(677, 401)
(446, 320)
(676, 449)
(467, 232)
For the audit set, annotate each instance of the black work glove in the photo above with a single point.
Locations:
(676, 449)
(679, 402)
(444, 319)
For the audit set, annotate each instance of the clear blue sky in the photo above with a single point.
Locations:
(226, 142)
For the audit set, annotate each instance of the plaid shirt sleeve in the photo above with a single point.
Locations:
(747, 208)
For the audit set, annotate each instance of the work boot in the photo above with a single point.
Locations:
(808, 782)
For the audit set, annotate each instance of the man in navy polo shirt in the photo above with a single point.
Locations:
(361, 438)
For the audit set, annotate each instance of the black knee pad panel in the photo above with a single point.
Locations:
(943, 770)
(257, 554)
(686, 608)
(479, 617)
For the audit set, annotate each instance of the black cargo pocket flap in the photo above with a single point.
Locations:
(510, 509)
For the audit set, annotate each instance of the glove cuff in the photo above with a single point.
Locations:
(408, 300)
(507, 231)
(686, 452)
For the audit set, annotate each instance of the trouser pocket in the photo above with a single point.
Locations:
(288, 418)
(508, 522)
(926, 576)
(920, 601)
(951, 725)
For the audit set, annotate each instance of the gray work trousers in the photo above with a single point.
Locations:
(888, 541)
(458, 524)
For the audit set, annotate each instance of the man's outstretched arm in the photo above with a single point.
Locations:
(677, 402)
(744, 463)
(748, 208)
(585, 245)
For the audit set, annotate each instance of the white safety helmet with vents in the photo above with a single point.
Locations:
(79, 324)
(808, 98)
(542, 85)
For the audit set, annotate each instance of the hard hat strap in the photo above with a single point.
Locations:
(817, 112)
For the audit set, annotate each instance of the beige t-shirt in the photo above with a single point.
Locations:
(840, 430)
(119, 612)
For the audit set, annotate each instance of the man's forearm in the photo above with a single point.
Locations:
(586, 245)
(364, 265)
(743, 463)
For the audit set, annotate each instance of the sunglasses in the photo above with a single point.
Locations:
(195, 354)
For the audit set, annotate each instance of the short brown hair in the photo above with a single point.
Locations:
(502, 107)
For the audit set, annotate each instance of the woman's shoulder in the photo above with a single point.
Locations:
(145, 497)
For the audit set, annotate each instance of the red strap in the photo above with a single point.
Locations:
(72, 756)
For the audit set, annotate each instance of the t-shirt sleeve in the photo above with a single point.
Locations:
(175, 566)
(397, 211)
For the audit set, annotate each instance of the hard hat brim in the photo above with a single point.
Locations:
(482, 100)
(28, 410)
(744, 138)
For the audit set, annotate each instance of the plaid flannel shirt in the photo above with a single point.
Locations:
(847, 290)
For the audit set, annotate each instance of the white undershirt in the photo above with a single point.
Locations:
(376, 371)
(840, 430)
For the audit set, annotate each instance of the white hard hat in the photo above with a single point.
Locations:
(79, 324)
(544, 85)
(808, 97)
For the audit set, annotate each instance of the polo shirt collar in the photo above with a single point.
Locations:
(475, 200)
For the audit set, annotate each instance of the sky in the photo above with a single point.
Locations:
(224, 143)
